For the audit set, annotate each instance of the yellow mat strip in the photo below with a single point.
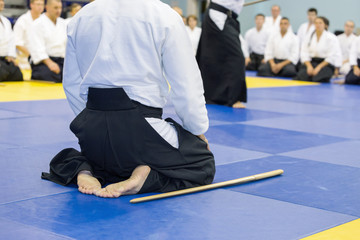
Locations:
(347, 231)
(36, 90)
(30, 90)
(258, 82)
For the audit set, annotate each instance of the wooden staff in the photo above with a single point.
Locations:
(210, 186)
(254, 2)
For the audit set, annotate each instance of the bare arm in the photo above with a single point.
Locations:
(51, 65)
(23, 50)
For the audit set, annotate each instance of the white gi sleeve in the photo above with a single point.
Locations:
(305, 54)
(19, 32)
(72, 79)
(11, 44)
(334, 55)
(247, 40)
(354, 52)
(37, 43)
(269, 49)
(244, 47)
(183, 74)
(294, 51)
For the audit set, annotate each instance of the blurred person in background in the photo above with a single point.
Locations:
(74, 8)
(48, 43)
(220, 55)
(194, 31)
(21, 30)
(281, 53)
(256, 39)
(346, 39)
(319, 54)
(9, 70)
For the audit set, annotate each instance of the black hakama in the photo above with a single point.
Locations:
(256, 61)
(351, 78)
(115, 138)
(9, 72)
(42, 72)
(288, 70)
(323, 76)
(221, 60)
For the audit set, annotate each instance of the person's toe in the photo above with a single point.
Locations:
(101, 193)
(81, 189)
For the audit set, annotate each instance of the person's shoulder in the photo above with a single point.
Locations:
(294, 38)
(250, 31)
(357, 39)
(67, 20)
(332, 38)
(162, 15)
(341, 36)
(61, 20)
(268, 18)
(267, 32)
(163, 10)
(303, 26)
(5, 20)
(353, 36)
(274, 36)
(291, 33)
(40, 19)
(266, 29)
(147, 11)
(331, 35)
(23, 18)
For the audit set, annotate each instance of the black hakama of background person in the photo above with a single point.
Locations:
(42, 72)
(221, 60)
(323, 76)
(9, 72)
(288, 70)
(115, 138)
(351, 78)
(256, 61)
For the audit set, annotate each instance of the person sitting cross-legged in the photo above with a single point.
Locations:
(281, 53)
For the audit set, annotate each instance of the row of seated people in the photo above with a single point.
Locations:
(314, 54)
(270, 47)
(40, 37)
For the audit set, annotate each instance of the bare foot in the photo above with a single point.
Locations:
(127, 187)
(87, 183)
(238, 104)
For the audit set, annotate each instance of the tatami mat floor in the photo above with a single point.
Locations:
(312, 131)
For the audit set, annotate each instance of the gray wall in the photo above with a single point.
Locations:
(336, 11)
(180, 3)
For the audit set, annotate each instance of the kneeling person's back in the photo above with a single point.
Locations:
(121, 57)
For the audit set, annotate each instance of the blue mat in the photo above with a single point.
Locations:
(268, 140)
(219, 214)
(315, 125)
(342, 153)
(312, 132)
(307, 183)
